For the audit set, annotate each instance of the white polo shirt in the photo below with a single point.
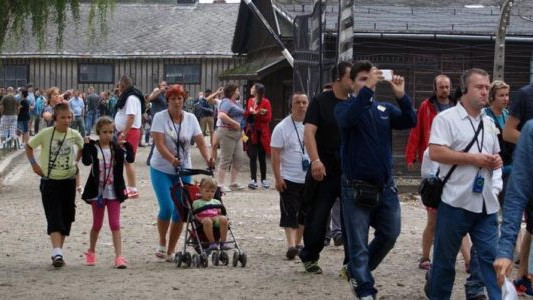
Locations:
(452, 128)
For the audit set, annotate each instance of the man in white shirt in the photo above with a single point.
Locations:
(289, 165)
(469, 204)
(128, 121)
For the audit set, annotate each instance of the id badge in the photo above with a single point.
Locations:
(305, 163)
(478, 184)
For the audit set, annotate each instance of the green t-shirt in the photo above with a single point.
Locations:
(64, 166)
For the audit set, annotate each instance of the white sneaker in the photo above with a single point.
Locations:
(253, 185)
(265, 183)
(236, 186)
(225, 189)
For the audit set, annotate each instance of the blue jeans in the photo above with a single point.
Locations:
(90, 120)
(452, 225)
(385, 218)
(474, 285)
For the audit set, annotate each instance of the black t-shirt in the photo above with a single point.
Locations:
(328, 137)
(24, 113)
(522, 105)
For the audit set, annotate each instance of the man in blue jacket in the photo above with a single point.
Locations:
(369, 194)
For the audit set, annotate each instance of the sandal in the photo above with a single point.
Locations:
(161, 252)
(424, 264)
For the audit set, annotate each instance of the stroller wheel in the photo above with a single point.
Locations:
(204, 260)
(224, 258)
(195, 261)
(235, 260)
(215, 258)
(187, 259)
(178, 258)
(243, 259)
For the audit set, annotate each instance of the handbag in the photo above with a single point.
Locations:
(430, 188)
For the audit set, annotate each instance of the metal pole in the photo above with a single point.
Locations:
(276, 38)
(320, 71)
(499, 46)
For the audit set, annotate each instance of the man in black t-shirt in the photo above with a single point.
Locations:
(520, 112)
(322, 142)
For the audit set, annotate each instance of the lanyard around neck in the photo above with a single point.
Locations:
(51, 163)
(106, 177)
(479, 147)
(302, 145)
(178, 133)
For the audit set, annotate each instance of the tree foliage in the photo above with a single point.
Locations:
(19, 16)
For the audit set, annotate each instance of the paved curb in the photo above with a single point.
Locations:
(8, 161)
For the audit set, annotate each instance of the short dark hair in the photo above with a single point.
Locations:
(465, 77)
(229, 89)
(339, 70)
(360, 65)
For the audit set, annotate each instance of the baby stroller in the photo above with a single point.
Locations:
(183, 196)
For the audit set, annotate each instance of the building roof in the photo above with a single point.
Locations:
(162, 30)
(451, 19)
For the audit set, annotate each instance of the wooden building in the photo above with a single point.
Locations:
(185, 44)
(417, 42)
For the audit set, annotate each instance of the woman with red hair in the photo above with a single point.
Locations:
(172, 130)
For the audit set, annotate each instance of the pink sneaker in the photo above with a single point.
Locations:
(120, 263)
(90, 258)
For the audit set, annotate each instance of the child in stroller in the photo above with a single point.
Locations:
(206, 211)
(202, 236)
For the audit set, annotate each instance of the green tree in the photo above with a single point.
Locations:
(16, 14)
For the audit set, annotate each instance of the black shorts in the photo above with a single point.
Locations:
(58, 202)
(290, 203)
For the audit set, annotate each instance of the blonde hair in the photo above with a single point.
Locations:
(101, 122)
(495, 86)
(208, 182)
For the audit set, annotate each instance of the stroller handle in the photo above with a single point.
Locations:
(192, 172)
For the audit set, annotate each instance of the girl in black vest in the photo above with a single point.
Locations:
(105, 186)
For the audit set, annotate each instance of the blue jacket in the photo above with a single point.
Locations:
(366, 135)
(519, 192)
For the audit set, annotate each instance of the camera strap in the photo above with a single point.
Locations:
(479, 129)
(302, 145)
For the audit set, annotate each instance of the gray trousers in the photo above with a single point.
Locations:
(334, 229)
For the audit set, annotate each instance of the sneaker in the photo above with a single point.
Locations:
(265, 183)
(120, 263)
(236, 186)
(338, 241)
(90, 258)
(327, 242)
(161, 252)
(523, 287)
(225, 246)
(225, 189)
(312, 267)
(212, 246)
(344, 273)
(424, 264)
(57, 261)
(133, 193)
(253, 185)
(369, 297)
(353, 286)
(291, 253)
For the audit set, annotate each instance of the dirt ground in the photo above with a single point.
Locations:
(25, 270)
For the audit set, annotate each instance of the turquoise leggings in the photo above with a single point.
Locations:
(162, 182)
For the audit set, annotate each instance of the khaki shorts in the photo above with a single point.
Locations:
(207, 123)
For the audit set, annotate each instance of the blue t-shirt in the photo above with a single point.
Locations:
(77, 105)
(233, 110)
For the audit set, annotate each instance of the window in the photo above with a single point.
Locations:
(189, 74)
(96, 73)
(14, 75)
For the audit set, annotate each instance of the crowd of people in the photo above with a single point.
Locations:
(331, 161)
